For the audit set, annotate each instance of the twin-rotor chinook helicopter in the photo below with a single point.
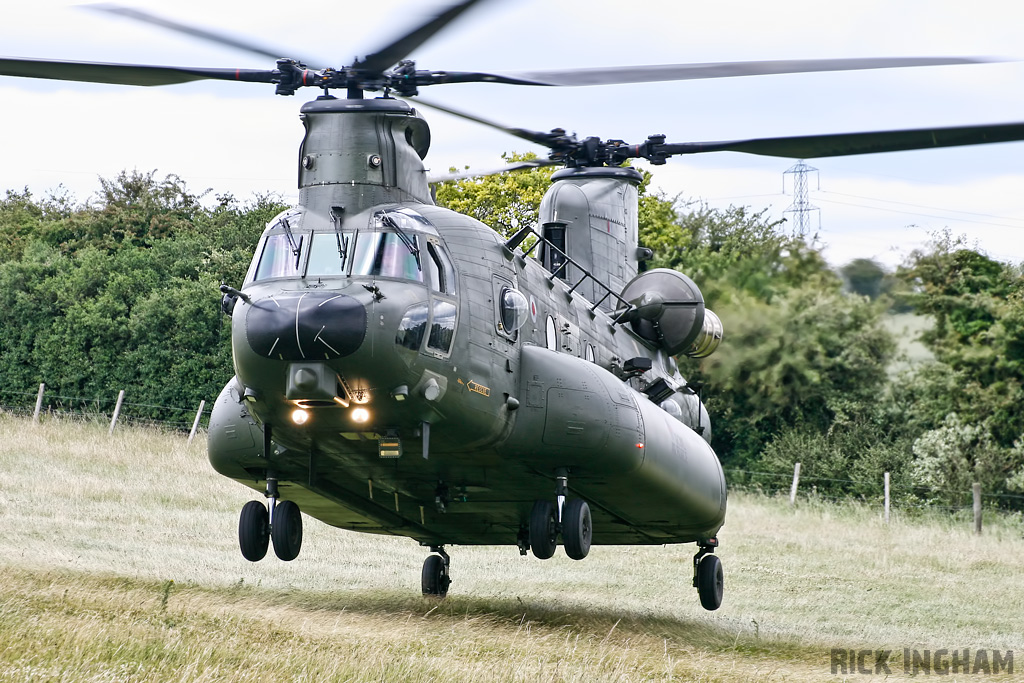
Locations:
(401, 369)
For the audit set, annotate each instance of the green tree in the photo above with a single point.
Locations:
(733, 250)
(865, 277)
(810, 359)
(977, 305)
(504, 201)
(123, 293)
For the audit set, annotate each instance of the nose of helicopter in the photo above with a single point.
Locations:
(306, 326)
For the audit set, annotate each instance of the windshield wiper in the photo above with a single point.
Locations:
(291, 240)
(408, 241)
(337, 213)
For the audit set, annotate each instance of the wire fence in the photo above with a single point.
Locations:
(881, 492)
(119, 409)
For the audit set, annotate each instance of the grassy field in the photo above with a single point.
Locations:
(120, 563)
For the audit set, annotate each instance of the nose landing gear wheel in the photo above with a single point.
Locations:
(710, 582)
(577, 528)
(254, 531)
(286, 530)
(543, 529)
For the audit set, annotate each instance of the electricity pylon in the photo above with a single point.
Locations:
(801, 208)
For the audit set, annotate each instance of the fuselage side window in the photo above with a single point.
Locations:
(551, 334)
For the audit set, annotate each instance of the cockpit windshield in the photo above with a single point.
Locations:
(280, 256)
(398, 243)
(388, 255)
(327, 254)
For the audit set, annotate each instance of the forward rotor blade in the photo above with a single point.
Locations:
(192, 31)
(398, 50)
(125, 74)
(514, 166)
(848, 144)
(686, 72)
(529, 135)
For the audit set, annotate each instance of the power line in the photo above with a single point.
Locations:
(924, 206)
(924, 215)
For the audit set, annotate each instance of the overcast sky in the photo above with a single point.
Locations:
(241, 138)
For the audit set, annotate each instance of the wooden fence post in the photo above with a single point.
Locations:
(796, 482)
(886, 497)
(39, 402)
(117, 412)
(195, 424)
(977, 508)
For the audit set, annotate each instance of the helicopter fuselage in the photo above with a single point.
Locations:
(401, 370)
(483, 415)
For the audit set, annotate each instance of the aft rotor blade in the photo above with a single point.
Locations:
(846, 144)
(686, 72)
(125, 74)
(398, 50)
(514, 166)
(192, 31)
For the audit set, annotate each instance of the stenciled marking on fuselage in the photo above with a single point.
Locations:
(319, 339)
(328, 301)
(478, 388)
(298, 339)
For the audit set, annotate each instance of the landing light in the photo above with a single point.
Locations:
(360, 415)
(300, 416)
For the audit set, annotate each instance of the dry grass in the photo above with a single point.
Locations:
(120, 564)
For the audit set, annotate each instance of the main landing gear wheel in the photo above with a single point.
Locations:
(710, 582)
(286, 530)
(577, 528)
(543, 529)
(434, 579)
(254, 531)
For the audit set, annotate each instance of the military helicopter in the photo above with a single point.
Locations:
(401, 369)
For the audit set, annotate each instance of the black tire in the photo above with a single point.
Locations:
(434, 579)
(577, 528)
(710, 582)
(543, 529)
(286, 530)
(253, 531)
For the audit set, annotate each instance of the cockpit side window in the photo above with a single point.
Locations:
(442, 274)
(442, 327)
(280, 256)
(413, 326)
(386, 254)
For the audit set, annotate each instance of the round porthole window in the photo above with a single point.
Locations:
(515, 310)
